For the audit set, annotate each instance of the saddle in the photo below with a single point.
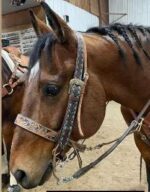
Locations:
(18, 65)
(16, 55)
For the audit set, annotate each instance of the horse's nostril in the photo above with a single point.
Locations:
(20, 175)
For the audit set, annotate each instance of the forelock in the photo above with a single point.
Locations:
(45, 43)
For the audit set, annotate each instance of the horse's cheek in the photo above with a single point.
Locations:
(93, 107)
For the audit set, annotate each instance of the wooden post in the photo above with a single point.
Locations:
(100, 16)
(103, 12)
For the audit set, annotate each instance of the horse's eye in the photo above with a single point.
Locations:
(51, 90)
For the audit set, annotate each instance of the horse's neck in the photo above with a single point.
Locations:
(123, 80)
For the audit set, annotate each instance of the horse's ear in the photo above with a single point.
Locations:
(60, 27)
(39, 26)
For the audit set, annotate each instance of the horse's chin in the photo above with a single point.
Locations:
(47, 174)
(49, 170)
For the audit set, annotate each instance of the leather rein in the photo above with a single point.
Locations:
(62, 138)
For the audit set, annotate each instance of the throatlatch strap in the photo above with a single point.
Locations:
(75, 91)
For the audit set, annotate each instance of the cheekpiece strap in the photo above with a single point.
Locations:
(75, 91)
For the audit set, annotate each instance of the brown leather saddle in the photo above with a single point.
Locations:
(20, 67)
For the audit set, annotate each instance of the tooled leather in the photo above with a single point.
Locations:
(74, 97)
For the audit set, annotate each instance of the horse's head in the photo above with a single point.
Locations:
(52, 66)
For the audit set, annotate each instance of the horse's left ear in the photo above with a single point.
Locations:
(39, 26)
(60, 27)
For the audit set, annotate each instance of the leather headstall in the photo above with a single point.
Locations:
(76, 89)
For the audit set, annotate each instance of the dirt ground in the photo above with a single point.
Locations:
(119, 171)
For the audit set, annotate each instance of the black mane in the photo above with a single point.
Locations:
(124, 31)
(45, 43)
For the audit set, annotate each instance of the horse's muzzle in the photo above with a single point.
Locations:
(47, 174)
(24, 179)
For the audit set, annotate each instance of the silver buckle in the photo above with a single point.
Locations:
(8, 87)
(138, 129)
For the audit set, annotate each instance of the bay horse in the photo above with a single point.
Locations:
(11, 105)
(118, 67)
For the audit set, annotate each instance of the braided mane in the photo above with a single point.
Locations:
(127, 32)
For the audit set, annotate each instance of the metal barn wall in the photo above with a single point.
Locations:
(96, 7)
(79, 19)
(138, 11)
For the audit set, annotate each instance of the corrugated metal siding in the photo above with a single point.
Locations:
(138, 11)
(79, 19)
